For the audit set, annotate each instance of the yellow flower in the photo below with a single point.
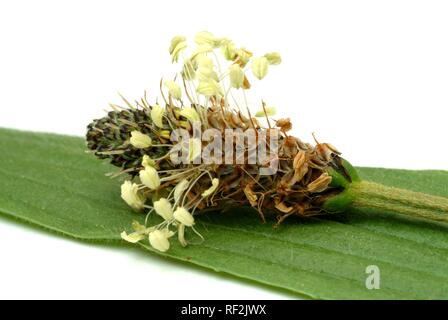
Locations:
(236, 76)
(149, 177)
(209, 191)
(183, 216)
(157, 113)
(140, 140)
(260, 67)
(159, 240)
(190, 113)
(173, 89)
(129, 193)
(164, 209)
(274, 58)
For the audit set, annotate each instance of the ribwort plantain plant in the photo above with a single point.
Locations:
(204, 149)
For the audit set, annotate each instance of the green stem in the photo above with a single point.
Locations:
(373, 195)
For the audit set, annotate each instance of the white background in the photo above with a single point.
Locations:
(370, 77)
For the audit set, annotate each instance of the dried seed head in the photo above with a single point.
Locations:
(137, 139)
(320, 184)
(284, 124)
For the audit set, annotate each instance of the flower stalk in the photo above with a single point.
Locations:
(416, 204)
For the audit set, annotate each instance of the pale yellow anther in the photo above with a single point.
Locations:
(147, 161)
(178, 44)
(274, 58)
(200, 51)
(205, 74)
(140, 140)
(236, 76)
(270, 111)
(207, 38)
(149, 177)
(228, 50)
(157, 113)
(190, 113)
(260, 67)
(164, 209)
(194, 148)
(183, 216)
(179, 189)
(210, 88)
(212, 189)
(188, 70)
(181, 235)
(159, 240)
(132, 237)
(174, 89)
(130, 194)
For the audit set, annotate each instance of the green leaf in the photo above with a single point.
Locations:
(49, 181)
